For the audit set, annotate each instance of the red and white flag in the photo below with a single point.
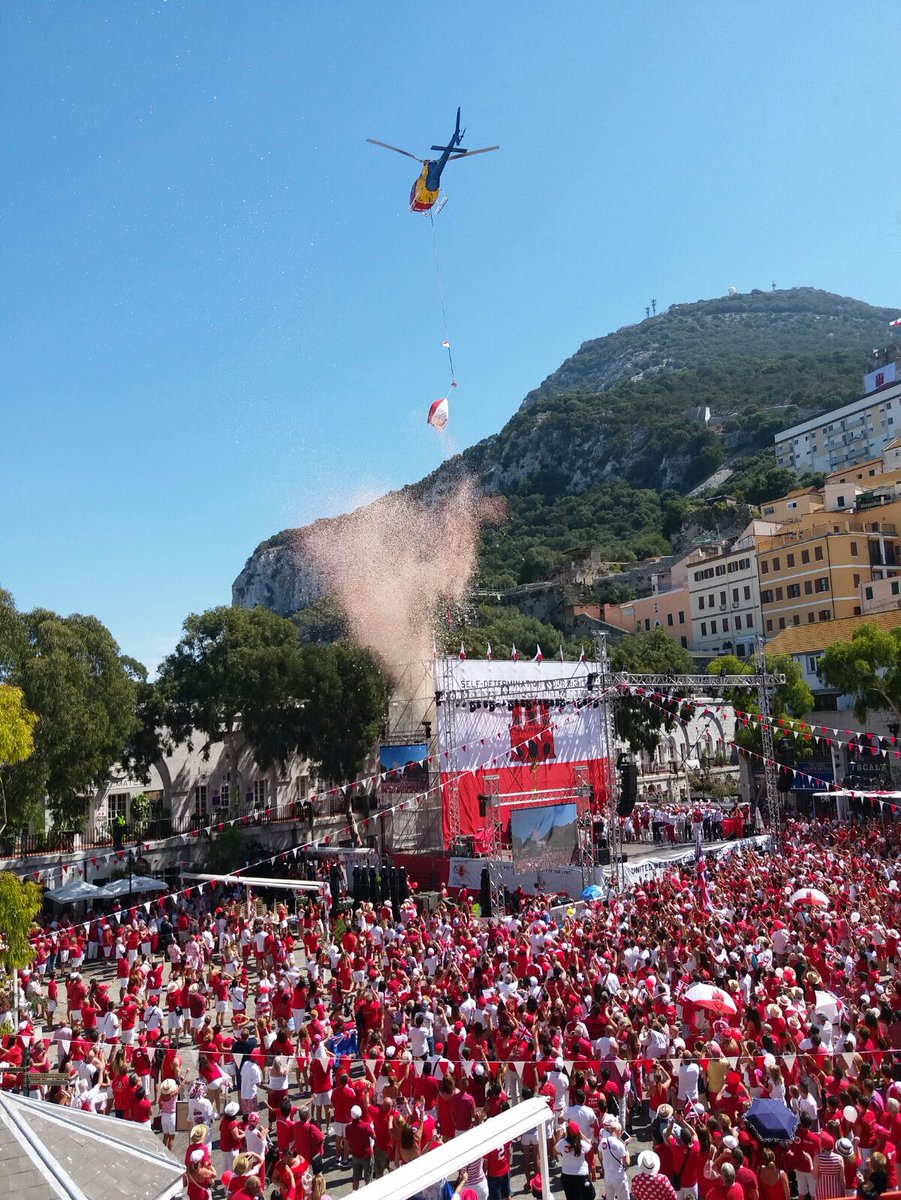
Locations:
(561, 652)
(488, 653)
(539, 657)
(894, 324)
(514, 653)
(462, 652)
(582, 654)
(446, 345)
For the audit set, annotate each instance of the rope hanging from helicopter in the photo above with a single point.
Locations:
(446, 342)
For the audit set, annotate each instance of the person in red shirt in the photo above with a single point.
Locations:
(141, 1107)
(308, 1139)
(343, 1100)
(463, 1111)
(360, 1139)
(384, 1117)
(231, 1134)
(726, 1187)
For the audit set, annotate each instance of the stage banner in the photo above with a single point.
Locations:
(467, 873)
(529, 742)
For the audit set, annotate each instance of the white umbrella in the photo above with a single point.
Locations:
(713, 999)
(811, 896)
(827, 1004)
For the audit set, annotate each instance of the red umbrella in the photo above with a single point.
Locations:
(811, 896)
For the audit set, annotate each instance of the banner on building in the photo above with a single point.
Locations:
(880, 378)
(542, 739)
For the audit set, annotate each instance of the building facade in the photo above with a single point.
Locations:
(724, 590)
(850, 434)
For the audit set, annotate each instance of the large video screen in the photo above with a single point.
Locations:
(520, 744)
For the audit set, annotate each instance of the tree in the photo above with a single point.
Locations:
(538, 564)
(235, 677)
(16, 736)
(867, 668)
(82, 689)
(344, 707)
(649, 651)
(19, 904)
(792, 699)
(504, 626)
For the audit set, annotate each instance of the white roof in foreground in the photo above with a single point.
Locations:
(50, 1152)
(444, 1162)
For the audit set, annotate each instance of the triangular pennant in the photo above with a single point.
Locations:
(790, 1061)
(519, 1067)
(467, 1064)
(418, 1065)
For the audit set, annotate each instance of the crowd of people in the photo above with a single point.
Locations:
(294, 1049)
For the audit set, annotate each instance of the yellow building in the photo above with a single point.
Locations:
(812, 570)
(798, 503)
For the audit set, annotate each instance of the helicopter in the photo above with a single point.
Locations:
(427, 188)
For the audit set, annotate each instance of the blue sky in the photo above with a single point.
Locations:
(218, 319)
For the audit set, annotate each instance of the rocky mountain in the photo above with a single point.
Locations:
(601, 453)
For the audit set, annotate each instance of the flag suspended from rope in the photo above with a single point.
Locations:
(439, 414)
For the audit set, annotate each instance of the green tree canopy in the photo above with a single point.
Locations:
(19, 904)
(791, 700)
(649, 651)
(74, 678)
(504, 626)
(867, 668)
(16, 735)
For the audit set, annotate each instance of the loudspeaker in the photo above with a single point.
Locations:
(628, 791)
(602, 856)
(485, 893)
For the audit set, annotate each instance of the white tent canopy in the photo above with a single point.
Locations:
(444, 1162)
(136, 885)
(292, 885)
(77, 891)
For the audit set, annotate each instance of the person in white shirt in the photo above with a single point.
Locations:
(249, 1080)
(689, 1073)
(615, 1159)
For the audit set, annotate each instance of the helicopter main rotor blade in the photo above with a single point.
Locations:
(469, 153)
(396, 149)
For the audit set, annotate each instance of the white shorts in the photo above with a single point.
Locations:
(322, 1099)
(173, 1020)
(339, 1128)
(213, 1085)
(167, 1122)
(807, 1184)
(221, 1006)
(196, 1022)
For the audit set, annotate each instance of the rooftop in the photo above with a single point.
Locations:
(810, 639)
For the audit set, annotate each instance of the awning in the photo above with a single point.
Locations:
(137, 885)
(78, 892)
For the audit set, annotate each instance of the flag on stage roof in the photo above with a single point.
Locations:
(561, 652)
(582, 654)
(539, 657)
(488, 654)
(462, 652)
(514, 653)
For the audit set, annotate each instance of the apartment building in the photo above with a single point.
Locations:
(847, 435)
(724, 591)
(796, 504)
(670, 611)
(812, 571)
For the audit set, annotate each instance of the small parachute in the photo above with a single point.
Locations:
(438, 415)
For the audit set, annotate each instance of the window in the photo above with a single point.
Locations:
(822, 584)
(703, 629)
(796, 619)
(782, 622)
(776, 564)
(699, 575)
(710, 602)
(808, 587)
(868, 593)
(701, 603)
(681, 618)
(747, 592)
(221, 796)
(789, 560)
(824, 614)
(769, 626)
(840, 501)
(684, 641)
(818, 553)
(713, 626)
(805, 556)
(200, 799)
(856, 581)
(735, 595)
(669, 618)
(811, 617)
(259, 793)
(749, 621)
(766, 596)
(895, 588)
(647, 623)
(721, 569)
(723, 599)
(764, 567)
(854, 549)
(725, 624)
(117, 806)
(779, 593)
(857, 610)
(793, 591)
